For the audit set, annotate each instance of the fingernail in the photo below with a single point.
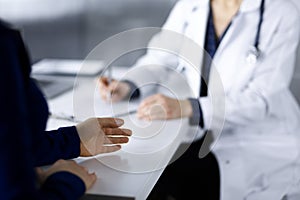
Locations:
(119, 122)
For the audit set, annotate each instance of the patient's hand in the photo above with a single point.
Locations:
(67, 166)
(101, 135)
(159, 107)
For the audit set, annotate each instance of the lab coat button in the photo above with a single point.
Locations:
(227, 162)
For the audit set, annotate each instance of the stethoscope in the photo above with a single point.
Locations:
(254, 53)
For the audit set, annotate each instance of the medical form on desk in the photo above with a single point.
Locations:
(72, 67)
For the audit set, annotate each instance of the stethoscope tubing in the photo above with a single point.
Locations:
(254, 51)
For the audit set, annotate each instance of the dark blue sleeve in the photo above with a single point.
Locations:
(49, 146)
(18, 178)
(63, 185)
(197, 117)
(63, 143)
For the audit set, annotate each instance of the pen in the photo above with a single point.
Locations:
(126, 113)
(64, 117)
(109, 80)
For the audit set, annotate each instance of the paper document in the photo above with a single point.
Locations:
(67, 67)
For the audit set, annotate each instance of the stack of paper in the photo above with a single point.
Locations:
(67, 67)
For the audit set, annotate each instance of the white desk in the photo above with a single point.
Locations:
(133, 171)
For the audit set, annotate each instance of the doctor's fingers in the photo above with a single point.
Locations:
(114, 86)
(104, 81)
(110, 96)
(153, 99)
(113, 90)
(115, 97)
(103, 90)
(154, 104)
(105, 86)
(153, 114)
(144, 111)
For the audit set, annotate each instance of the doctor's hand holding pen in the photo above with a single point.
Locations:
(113, 90)
(156, 107)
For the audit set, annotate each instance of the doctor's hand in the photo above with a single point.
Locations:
(113, 91)
(67, 166)
(101, 135)
(159, 107)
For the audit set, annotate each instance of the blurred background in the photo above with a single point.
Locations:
(71, 29)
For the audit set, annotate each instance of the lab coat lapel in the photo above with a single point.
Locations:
(197, 28)
(232, 32)
(198, 22)
(196, 31)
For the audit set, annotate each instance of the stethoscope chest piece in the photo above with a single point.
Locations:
(254, 52)
(252, 55)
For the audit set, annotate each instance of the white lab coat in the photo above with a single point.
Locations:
(258, 145)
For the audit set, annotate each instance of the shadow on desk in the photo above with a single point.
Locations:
(103, 197)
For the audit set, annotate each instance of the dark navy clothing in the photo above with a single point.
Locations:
(189, 177)
(212, 42)
(211, 45)
(24, 143)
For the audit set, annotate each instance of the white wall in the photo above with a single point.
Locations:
(71, 29)
(31, 10)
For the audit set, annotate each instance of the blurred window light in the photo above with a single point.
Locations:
(30, 10)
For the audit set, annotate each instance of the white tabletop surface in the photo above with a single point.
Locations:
(134, 170)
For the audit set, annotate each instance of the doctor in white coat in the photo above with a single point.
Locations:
(258, 147)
